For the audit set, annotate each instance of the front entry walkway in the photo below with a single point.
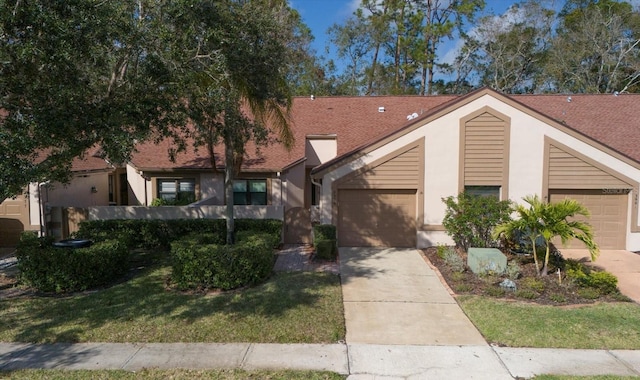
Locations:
(391, 296)
(624, 265)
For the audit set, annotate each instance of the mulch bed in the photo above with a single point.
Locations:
(548, 290)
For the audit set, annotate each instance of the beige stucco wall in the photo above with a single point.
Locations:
(212, 187)
(320, 149)
(79, 192)
(442, 163)
(138, 187)
(34, 204)
(293, 186)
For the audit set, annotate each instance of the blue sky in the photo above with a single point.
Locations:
(319, 15)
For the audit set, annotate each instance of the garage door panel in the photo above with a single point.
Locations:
(14, 217)
(608, 215)
(377, 218)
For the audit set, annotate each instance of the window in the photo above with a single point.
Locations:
(483, 191)
(182, 191)
(250, 192)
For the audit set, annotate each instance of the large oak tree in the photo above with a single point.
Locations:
(76, 74)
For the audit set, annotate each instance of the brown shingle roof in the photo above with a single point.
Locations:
(611, 120)
(355, 120)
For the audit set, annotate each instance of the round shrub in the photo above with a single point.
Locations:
(605, 282)
(52, 269)
(248, 262)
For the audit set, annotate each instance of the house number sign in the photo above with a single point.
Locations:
(615, 191)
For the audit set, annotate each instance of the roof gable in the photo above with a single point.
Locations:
(595, 118)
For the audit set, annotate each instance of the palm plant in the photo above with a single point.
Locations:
(547, 221)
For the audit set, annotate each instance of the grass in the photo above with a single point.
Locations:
(516, 324)
(599, 377)
(169, 374)
(289, 308)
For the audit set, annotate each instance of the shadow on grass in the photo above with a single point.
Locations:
(144, 310)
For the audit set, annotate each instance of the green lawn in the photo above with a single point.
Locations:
(170, 374)
(601, 377)
(289, 308)
(516, 324)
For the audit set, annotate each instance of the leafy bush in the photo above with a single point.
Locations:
(272, 240)
(149, 234)
(52, 269)
(583, 276)
(324, 232)
(324, 241)
(470, 219)
(440, 250)
(453, 260)
(605, 282)
(269, 226)
(197, 265)
(513, 270)
(532, 283)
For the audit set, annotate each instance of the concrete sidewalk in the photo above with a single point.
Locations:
(359, 361)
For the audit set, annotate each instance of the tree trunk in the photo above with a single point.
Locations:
(372, 75)
(229, 176)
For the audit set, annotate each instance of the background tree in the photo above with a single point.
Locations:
(307, 72)
(507, 52)
(597, 48)
(232, 59)
(354, 43)
(442, 19)
(76, 74)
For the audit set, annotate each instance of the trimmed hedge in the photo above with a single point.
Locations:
(197, 265)
(142, 233)
(325, 242)
(52, 269)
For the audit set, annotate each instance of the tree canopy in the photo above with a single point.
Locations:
(398, 47)
(75, 74)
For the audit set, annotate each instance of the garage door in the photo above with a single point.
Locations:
(14, 218)
(377, 218)
(608, 215)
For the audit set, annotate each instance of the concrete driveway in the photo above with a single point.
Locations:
(624, 265)
(391, 296)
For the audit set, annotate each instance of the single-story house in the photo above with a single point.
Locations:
(378, 167)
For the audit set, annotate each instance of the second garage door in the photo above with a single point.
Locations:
(608, 215)
(377, 218)
(14, 218)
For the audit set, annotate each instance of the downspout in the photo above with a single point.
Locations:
(316, 183)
